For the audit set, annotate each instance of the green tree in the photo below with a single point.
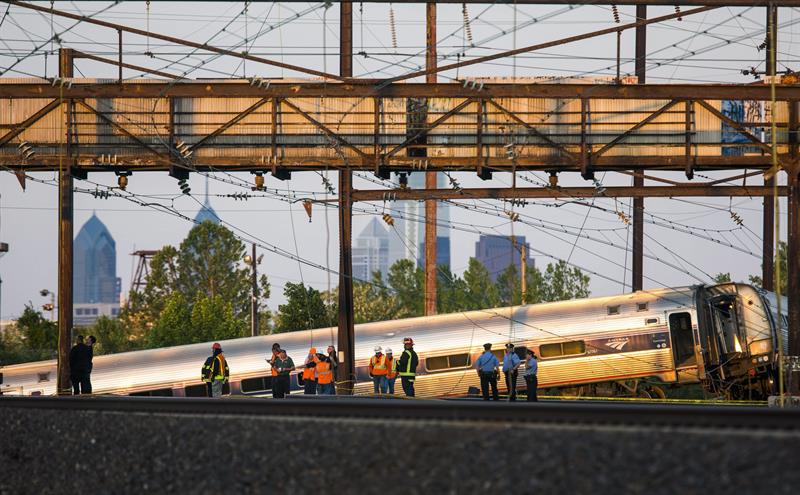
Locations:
(172, 325)
(508, 286)
(480, 292)
(721, 278)
(408, 283)
(39, 333)
(451, 291)
(112, 336)
(209, 318)
(304, 309)
(562, 282)
(782, 258)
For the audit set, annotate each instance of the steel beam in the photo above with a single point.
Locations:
(637, 252)
(65, 220)
(563, 193)
(139, 68)
(36, 117)
(793, 274)
(368, 89)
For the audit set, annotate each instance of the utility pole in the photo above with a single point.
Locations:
(430, 177)
(250, 259)
(523, 264)
(637, 261)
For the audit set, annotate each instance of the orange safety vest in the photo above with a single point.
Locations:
(274, 371)
(377, 365)
(324, 373)
(392, 368)
(308, 372)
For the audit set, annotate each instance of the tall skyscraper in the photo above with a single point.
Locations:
(206, 211)
(496, 253)
(95, 269)
(371, 251)
(409, 240)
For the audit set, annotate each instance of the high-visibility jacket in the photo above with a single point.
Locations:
(308, 372)
(274, 371)
(392, 365)
(378, 365)
(408, 363)
(324, 372)
(215, 368)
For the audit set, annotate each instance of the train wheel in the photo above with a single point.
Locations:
(643, 394)
(657, 392)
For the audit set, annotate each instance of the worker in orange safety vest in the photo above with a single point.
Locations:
(391, 376)
(309, 378)
(378, 369)
(324, 375)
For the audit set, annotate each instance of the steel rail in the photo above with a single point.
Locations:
(704, 417)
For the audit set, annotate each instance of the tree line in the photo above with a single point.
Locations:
(201, 291)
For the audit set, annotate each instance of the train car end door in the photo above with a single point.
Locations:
(683, 346)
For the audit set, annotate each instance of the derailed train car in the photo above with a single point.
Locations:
(723, 337)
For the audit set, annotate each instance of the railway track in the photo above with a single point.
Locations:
(644, 415)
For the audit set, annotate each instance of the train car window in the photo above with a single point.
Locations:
(161, 392)
(44, 377)
(196, 390)
(258, 384)
(550, 350)
(651, 321)
(435, 363)
(570, 348)
(613, 310)
(574, 347)
(641, 306)
(459, 360)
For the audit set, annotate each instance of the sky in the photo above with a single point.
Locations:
(693, 50)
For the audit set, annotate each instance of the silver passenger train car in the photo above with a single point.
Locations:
(722, 336)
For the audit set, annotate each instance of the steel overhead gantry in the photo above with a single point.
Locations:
(465, 126)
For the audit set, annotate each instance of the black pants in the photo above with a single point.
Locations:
(533, 384)
(81, 383)
(310, 387)
(408, 385)
(280, 386)
(208, 390)
(488, 379)
(511, 384)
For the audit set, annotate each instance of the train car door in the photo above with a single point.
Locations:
(683, 346)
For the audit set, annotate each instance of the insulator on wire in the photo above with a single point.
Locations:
(625, 218)
(514, 216)
(615, 13)
(393, 26)
(517, 202)
(736, 218)
(307, 207)
(678, 11)
(388, 219)
(467, 26)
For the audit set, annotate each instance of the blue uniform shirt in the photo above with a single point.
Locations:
(510, 360)
(487, 362)
(531, 367)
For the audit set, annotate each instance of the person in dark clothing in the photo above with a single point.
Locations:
(407, 367)
(284, 366)
(80, 365)
(90, 342)
(487, 365)
(215, 371)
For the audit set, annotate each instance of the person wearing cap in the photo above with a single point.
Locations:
(391, 371)
(323, 373)
(487, 365)
(284, 366)
(531, 380)
(80, 365)
(309, 379)
(407, 366)
(511, 364)
(215, 371)
(276, 349)
(378, 368)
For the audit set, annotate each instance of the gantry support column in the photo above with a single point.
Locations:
(768, 234)
(346, 333)
(430, 177)
(65, 217)
(637, 261)
(793, 275)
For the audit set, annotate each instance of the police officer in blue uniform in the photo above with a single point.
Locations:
(487, 365)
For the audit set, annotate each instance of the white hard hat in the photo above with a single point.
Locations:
(388, 350)
(378, 348)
